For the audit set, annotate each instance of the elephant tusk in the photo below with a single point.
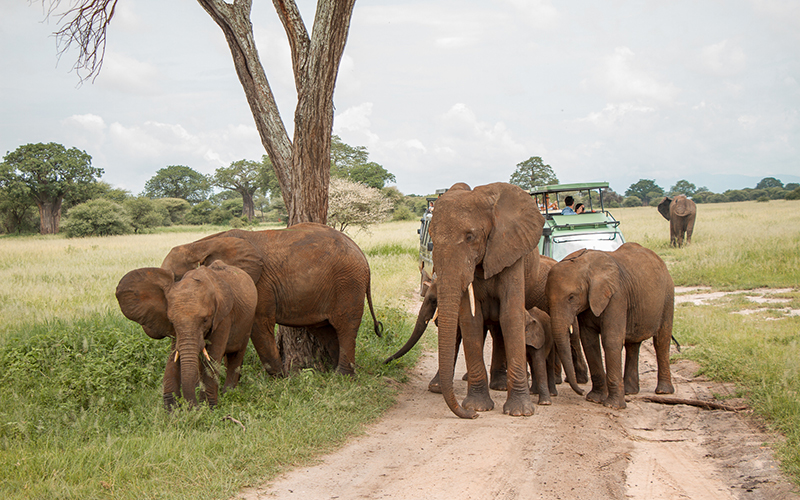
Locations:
(177, 353)
(435, 315)
(206, 354)
(570, 329)
(471, 299)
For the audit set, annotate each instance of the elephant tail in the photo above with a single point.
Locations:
(377, 324)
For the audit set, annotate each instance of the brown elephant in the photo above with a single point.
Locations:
(483, 235)
(620, 298)
(308, 275)
(541, 355)
(681, 212)
(208, 314)
(534, 297)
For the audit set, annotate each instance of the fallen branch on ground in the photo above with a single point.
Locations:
(706, 405)
(228, 417)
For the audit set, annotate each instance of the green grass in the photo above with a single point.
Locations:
(80, 404)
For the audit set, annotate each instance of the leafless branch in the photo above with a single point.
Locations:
(706, 405)
(84, 24)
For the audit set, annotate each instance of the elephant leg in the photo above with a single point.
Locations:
(498, 378)
(612, 348)
(661, 346)
(557, 372)
(233, 368)
(478, 397)
(551, 372)
(171, 384)
(434, 385)
(591, 346)
(346, 332)
(578, 361)
(263, 339)
(540, 376)
(512, 323)
(689, 230)
(632, 367)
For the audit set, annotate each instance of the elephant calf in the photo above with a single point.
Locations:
(209, 313)
(541, 355)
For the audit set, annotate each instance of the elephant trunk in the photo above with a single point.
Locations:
(561, 337)
(189, 351)
(449, 304)
(426, 312)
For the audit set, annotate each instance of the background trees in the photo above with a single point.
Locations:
(178, 181)
(352, 162)
(353, 204)
(243, 177)
(50, 172)
(533, 172)
(646, 190)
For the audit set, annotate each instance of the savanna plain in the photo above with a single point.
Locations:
(80, 405)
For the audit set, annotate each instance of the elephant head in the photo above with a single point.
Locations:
(484, 230)
(225, 246)
(186, 310)
(582, 280)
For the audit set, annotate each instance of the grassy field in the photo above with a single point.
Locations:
(80, 403)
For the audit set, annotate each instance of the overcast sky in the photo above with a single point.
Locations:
(438, 91)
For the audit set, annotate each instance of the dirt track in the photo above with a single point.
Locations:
(571, 450)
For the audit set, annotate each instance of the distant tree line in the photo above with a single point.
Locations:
(534, 172)
(41, 182)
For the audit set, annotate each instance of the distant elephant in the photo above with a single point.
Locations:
(480, 240)
(681, 213)
(308, 275)
(621, 298)
(534, 297)
(208, 314)
(541, 355)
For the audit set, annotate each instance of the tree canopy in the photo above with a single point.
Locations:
(50, 172)
(243, 177)
(354, 204)
(533, 172)
(352, 162)
(769, 182)
(646, 190)
(178, 181)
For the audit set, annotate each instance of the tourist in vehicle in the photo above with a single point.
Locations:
(580, 208)
(568, 210)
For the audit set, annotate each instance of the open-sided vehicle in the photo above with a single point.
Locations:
(595, 229)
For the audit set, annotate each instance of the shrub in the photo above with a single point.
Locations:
(402, 213)
(145, 213)
(354, 204)
(632, 201)
(717, 198)
(200, 214)
(177, 208)
(794, 195)
(763, 199)
(98, 217)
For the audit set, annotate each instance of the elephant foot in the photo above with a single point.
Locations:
(544, 400)
(518, 407)
(478, 402)
(499, 381)
(664, 388)
(534, 389)
(596, 396)
(581, 376)
(434, 385)
(560, 380)
(616, 403)
(631, 388)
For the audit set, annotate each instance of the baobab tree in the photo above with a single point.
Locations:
(302, 162)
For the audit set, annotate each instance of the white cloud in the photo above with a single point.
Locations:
(126, 74)
(614, 114)
(723, 59)
(625, 80)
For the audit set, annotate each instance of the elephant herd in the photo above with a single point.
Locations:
(214, 295)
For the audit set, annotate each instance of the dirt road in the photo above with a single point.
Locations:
(572, 450)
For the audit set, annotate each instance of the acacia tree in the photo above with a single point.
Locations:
(178, 181)
(302, 163)
(50, 172)
(533, 172)
(243, 177)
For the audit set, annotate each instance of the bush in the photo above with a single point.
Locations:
(98, 217)
(402, 213)
(794, 195)
(763, 199)
(200, 214)
(177, 208)
(354, 204)
(145, 213)
(632, 201)
(717, 198)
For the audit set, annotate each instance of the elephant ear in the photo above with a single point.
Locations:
(142, 297)
(602, 286)
(663, 207)
(534, 331)
(517, 226)
(219, 274)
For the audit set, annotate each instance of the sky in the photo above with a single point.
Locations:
(438, 92)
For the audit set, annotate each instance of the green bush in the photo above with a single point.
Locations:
(145, 213)
(794, 195)
(763, 199)
(200, 214)
(177, 208)
(632, 201)
(402, 213)
(100, 217)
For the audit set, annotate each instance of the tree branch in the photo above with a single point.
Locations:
(706, 405)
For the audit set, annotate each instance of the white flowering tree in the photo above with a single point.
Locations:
(354, 204)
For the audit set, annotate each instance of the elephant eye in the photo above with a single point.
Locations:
(469, 237)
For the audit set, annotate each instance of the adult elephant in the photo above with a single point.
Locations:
(308, 275)
(209, 314)
(534, 297)
(620, 298)
(681, 212)
(483, 234)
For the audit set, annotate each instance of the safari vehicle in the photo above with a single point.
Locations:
(426, 245)
(563, 234)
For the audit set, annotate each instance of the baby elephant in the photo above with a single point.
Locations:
(209, 313)
(541, 355)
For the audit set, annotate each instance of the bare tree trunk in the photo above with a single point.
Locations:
(49, 215)
(303, 166)
(248, 207)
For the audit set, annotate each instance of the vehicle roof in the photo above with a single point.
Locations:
(559, 188)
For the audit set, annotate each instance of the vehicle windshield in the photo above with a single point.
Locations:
(565, 245)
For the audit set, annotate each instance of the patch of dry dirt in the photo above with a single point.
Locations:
(572, 450)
